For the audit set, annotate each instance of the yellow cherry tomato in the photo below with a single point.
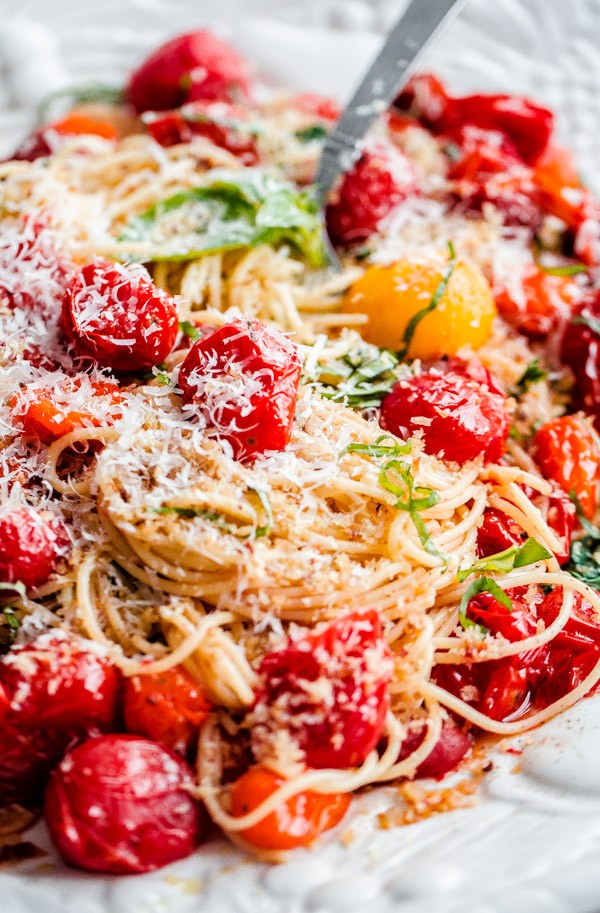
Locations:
(391, 296)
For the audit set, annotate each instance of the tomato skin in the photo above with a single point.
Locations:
(452, 746)
(580, 350)
(514, 625)
(116, 316)
(321, 106)
(562, 520)
(294, 823)
(196, 65)
(30, 547)
(567, 453)
(120, 804)
(50, 137)
(264, 364)
(55, 693)
(498, 532)
(222, 123)
(546, 299)
(47, 420)
(168, 707)
(468, 419)
(425, 97)
(380, 180)
(341, 727)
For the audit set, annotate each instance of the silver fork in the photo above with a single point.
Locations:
(414, 32)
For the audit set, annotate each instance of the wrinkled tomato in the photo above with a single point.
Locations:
(296, 822)
(31, 545)
(567, 454)
(452, 746)
(224, 124)
(47, 416)
(498, 532)
(120, 804)
(244, 380)
(329, 689)
(537, 303)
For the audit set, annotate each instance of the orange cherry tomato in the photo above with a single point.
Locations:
(544, 300)
(559, 186)
(83, 124)
(168, 707)
(296, 822)
(567, 453)
(48, 420)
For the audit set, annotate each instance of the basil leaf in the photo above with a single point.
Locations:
(189, 330)
(584, 563)
(361, 379)
(377, 448)
(263, 497)
(415, 320)
(236, 210)
(592, 323)
(17, 587)
(572, 269)
(532, 374)
(511, 558)
(312, 133)
(482, 585)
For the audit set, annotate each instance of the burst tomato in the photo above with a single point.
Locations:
(244, 380)
(567, 453)
(580, 350)
(116, 316)
(452, 746)
(498, 532)
(296, 822)
(537, 303)
(331, 689)
(47, 415)
(121, 804)
(30, 546)
(51, 137)
(168, 707)
(224, 124)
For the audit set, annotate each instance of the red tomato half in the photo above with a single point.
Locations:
(55, 692)
(244, 379)
(192, 66)
(120, 804)
(116, 316)
(330, 690)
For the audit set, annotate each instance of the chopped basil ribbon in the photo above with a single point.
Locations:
(425, 498)
(592, 323)
(531, 375)
(415, 320)
(189, 330)
(9, 628)
(511, 558)
(572, 269)
(312, 133)
(361, 379)
(584, 562)
(190, 513)
(263, 497)
(377, 448)
(236, 209)
(481, 585)
(17, 587)
(84, 94)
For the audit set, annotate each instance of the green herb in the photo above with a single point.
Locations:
(190, 512)
(236, 210)
(263, 497)
(511, 558)
(162, 379)
(9, 627)
(377, 448)
(592, 323)
(584, 563)
(16, 587)
(189, 330)
(481, 585)
(572, 269)
(361, 379)
(515, 434)
(410, 498)
(415, 320)
(453, 152)
(84, 94)
(532, 374)
(361, 253)
(312, 133)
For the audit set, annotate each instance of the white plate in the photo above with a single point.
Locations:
(532, 844)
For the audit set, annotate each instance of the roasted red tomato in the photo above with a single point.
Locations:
(562, 519)
(320, 106)
(120, 804)
(381, 179)
(329, 689)
(425, 98)
(168, 707)
(50, 414)
(55, 692)
(189, 67)
(498, 532)
(512, 624)
(296, 822)
(31, 545)
(567, 453)
(116, 316)
(34, 273)
(224, 124)
(244, 379)
(452, 746)
(580, 350)
(461, 417)
(51, 137)
(537, 303)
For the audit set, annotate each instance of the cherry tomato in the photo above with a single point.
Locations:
(168, 707)
(321, 106)
(51, 137)
(580, 350)
(48, 416)
(34, 274)
(330, 690)
(498, 532)
(196, 65)
(296, 822)
(116, 316)
(244, 379)
(120, 804)
(512, 624)
(506, 694)
(425, 97)
(567, 453)
(381, 179)
(224, 124)
(451, 747)
(539, 302)
(31, 546)
(562, 519)
(56, 691)
(559, 185)
(464, 419)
